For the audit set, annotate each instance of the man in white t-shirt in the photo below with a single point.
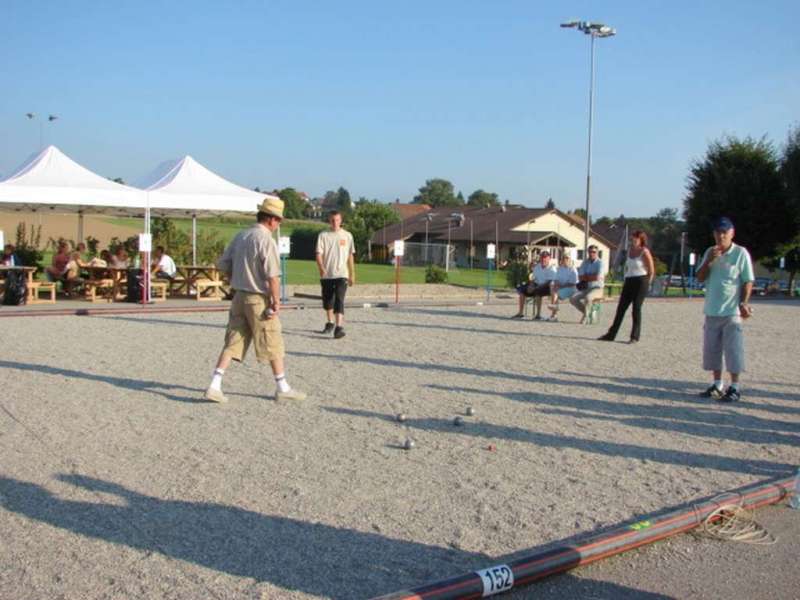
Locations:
(336, 263)
(538, 286)
(163, 265)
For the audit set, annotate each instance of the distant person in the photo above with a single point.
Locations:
(591, 280)
(538, 286)
(119, 260)
(72, 276)
(639, 273)
(58, 266)
(727, 270)
(9, 258)
(162, 265)
(563, 286)
(336, 264)
(251, 261)
(102, 261)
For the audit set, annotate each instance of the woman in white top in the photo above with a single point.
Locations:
(564, 284)
(639, 272)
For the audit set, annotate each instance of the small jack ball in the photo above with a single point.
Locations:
(458, 421)
(470, 411)
(401, 418)
(408, 444)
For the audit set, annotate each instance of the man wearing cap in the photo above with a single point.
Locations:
(591, 281)
(727, 270)
(335, 252)
(251, 263)
(538, 287)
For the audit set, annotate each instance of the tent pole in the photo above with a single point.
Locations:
(80, 226)
(194, 239)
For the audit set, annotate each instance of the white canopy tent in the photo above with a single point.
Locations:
(187, 187)
(51, 180)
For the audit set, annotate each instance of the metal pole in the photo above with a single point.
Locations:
(80, 226)
(194, 239)
(397, 260)
(589, 158)
(447, 259)
(471, 244)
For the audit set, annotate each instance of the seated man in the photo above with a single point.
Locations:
(163, 266)
(9, 259)
(590, 284)
(538, 287)
(119, 260)
(564, 285)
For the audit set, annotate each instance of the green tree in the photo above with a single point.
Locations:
(294, 204)
(665, 233)
(437, 192)
(339, 200)
(482, 199)
(740, 179)
(790, 174)
(368, 217)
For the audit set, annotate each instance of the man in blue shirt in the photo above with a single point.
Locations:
(727, 270)
(591, 282)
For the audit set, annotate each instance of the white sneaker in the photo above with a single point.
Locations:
(214, 395)
(290, 395)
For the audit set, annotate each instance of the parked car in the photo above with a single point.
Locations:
(760, 285)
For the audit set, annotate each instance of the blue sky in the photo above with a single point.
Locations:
(378, 97)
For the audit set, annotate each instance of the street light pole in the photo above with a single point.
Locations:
(593, 30)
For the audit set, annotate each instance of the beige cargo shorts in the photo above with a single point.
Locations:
(248, 323)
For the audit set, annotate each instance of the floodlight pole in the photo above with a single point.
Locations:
(593, 30)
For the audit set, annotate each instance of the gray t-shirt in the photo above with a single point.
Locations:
(335, 248)
(593, 267)
(251, 259)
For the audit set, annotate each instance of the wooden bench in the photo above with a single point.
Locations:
(177, 287)
(104, 286)
(158, 291)
(206, 285)
(35, 290)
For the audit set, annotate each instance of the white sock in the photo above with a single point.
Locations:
(718, 384)
(216, 380)
(283, 385)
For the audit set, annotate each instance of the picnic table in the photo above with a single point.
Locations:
(204, 282)
(109, 282)
(34, 288)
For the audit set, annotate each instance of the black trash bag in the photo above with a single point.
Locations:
(16, 288)
(135, 285)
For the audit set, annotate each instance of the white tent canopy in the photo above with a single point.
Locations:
(52, 180)
(186, 185)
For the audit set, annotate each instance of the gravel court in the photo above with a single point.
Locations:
(257, 499)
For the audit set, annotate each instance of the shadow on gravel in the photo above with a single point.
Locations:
(526, 334)
(292, 554)
(642, 384)
(149, 320)
(604, 447)
(138, 385)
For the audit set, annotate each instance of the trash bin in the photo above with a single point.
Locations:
(135, 285)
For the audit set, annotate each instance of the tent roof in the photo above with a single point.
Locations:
(188, 186)
(51, 179)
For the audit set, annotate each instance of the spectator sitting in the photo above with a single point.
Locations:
(58, 267)
(590, 286)
(120, 259)
(538, 287)
(564, 285)
(72, 275)
(10, 259)
(102, 261)
(163, 266)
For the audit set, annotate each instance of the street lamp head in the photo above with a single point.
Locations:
(571, 23)
(52, 117)
(30, 115)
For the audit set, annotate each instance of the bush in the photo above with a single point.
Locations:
(517, 273)
(435, 274)
(304, 243)
(27, 245)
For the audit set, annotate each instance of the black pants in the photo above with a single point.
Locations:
(333, 291)
(633, 291)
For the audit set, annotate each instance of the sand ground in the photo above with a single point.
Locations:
(116, 481)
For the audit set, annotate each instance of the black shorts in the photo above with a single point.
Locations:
(333, 291)
(534, 292)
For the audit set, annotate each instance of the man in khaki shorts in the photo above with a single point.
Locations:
(251, 262)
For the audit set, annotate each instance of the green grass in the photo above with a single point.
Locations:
(301, 272)
(225, 228)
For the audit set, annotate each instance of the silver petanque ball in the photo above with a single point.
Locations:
(401, 418)
(458, 421)
(470, 411)
(408, 444)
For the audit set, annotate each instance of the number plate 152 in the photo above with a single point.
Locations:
(496, 579)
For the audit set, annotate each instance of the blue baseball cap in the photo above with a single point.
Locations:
(722, 224)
